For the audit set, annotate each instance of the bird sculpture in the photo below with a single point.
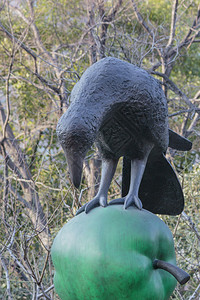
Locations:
(123, 109)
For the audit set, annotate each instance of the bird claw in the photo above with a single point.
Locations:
(81, 209)
(132, 200)
(97, 201)
(128, 201)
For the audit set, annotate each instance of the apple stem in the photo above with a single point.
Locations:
(181, 276)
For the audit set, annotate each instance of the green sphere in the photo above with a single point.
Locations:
(108, 254)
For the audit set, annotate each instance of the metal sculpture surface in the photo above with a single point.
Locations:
(124, 110)
(112, 253)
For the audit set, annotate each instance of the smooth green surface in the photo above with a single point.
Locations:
(108, 254)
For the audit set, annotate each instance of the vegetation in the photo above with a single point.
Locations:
(45, 46)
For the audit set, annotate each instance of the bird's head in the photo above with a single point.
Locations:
(75, 142)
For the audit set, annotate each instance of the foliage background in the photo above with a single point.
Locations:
(45, 46)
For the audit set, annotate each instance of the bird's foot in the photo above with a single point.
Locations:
(97, 201)
(132, 200)
(128, 201)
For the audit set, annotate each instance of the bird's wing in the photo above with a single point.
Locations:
(160, 190)
(178, 142)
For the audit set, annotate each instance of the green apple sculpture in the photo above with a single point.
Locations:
(114, 254)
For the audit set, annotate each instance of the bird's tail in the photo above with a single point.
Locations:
(178, 142)
(160, 190)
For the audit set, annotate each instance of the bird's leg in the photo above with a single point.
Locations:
(107, 173)
(137, 171)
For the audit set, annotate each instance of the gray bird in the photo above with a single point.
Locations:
(124, 110)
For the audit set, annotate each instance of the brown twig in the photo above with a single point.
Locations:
(44, 268)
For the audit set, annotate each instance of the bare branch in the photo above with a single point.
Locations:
(106, 20)
(197, 95)
(6, 182)
(7, 277)
(44, 267)
(193, 124)
(8, 96)
(150, 32)
(44, 81)
(3, 5)
(196, 293)
(34, 28)
(176, 90)
(92, 38)
(24, 47)
(16, 260)
(141, 19)
(19, 197)
(189, 38)
(12, 144)
(35, 56)
(18, 42)
(46, 291)
(173, 24)
(183, 111)
(22, 170)
(191, 224)
(111, 15)
(194, 25)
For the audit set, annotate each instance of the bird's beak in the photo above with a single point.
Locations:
(75, 165)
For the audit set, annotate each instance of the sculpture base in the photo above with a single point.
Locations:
(109, 254)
